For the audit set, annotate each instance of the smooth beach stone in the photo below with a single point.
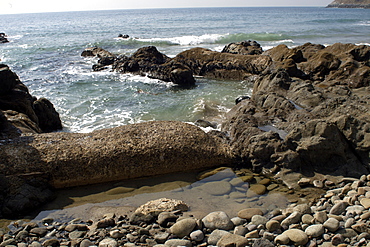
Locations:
(365, 216)
(236, 182)
(116, 233)
(108, 242)
(35, 244)
(315, 230)
(217, 220)
(303, 208)
(349, 222)
(76, 234)
(215, 236)
(265, 181)
(178, 242)
(237, 221)
(281, 239)
(337, 239)
(272, 187)
(197, 236)
(51, 242)
(339, 208)
(297, 236)
(183, 227)
(259, 189)
(86, 243)
(165, 217)
(307, 219)
(39, 231)
(247, 178)
(161, 237)
(331, 224)
(248, 213)
(360, 227)
(22, 235)
(293, 218)
(347, 232)
(320, 217)
(217, 188)
(252, 234)
(232, 240)
(258, 220)
(272, 225)
(355, 209)
(365, 202)
(240, 230)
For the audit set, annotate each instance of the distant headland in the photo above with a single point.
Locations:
(365, 4)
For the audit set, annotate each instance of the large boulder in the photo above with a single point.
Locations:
(24, 111)
(243, 48)
(132, 151)
(213, 64)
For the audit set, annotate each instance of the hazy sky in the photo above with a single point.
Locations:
(31, 6)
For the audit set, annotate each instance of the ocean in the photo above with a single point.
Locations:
(44, 50)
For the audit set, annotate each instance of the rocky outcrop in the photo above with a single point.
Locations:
(310, 116)
(3, 38)
(126, 152)
(364, 4)
(213, 64)
(22, 110)
(146, 61)
(244, 48)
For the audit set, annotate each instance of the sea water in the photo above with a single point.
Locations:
(44, 50)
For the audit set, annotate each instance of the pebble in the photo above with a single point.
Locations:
(248, 213)
(218, 220)
(338, 218)
(183, 227)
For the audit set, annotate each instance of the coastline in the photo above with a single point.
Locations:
(318, 110)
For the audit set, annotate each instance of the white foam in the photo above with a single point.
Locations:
(187, 40)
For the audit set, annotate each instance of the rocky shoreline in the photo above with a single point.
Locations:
(309, 113)
(339, 218)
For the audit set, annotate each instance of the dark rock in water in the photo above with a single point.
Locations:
(149, 61)
(241, 98)
(243, 48)
(205, 123)
(21, 109)
(123, 36)
(363, 4)
(96, 52)
(3, 38)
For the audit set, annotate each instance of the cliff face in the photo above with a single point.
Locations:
(350, 4)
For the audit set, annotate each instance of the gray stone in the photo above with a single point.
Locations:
(272, 225)
(360, 227)
(108, 242)
(7, 242)
(76, 234)
(240, 230)
(331, 224)
(258, 220)
(339, 208)
(252, 234)
(39, 231)
(161, 237)
(217, 188)
(183, 227)
(237, 221)
(262, 243)
(22, 235)
(349, 222)
(35, 244)
(303, 208)
(51, 242)
(320, 217)
(116, 233)
(315, 230)
(165, 217)
(232, 240)
(307, 219)
(248, 213)
(355, 209)
(295, 217)
(86, 243)
(217, 220)
(215, 236)
(197, 236)
(297, 236)
(282, 239)
(178, 242)
(337, 239)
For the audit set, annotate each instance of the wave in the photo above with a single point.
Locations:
(192, 40)
(363, 23)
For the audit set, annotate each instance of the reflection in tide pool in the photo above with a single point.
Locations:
(223, 191)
